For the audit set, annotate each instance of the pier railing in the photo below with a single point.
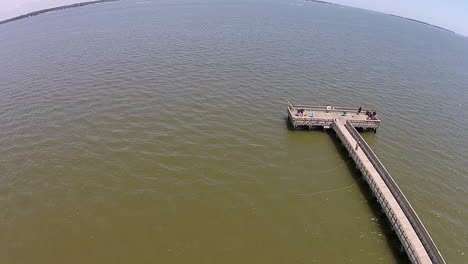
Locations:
(366, 123)
(332, 109)
(408, 210)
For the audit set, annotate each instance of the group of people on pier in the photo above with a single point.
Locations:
(371, 115)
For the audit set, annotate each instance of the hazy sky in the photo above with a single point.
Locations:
(450, 14)
(11, 8)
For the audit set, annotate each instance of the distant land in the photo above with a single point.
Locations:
(414, 20)
(35, 13)
(321, 2)
(422, 22)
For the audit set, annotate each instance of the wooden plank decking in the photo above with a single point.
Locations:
(324, 116)
(414, 237)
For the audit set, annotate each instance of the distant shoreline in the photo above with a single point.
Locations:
(322, 2)
(35, 13)
(422, 22)
(410, 19)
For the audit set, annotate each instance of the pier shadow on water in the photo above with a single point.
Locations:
(385, 226)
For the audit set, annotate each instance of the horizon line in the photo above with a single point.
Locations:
(80, 4)
(398, 16)
(43, 11)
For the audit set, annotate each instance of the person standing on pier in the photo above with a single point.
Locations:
(359, 110)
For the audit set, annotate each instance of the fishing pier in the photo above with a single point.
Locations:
(414, 237)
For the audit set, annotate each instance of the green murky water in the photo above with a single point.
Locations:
(142, 132)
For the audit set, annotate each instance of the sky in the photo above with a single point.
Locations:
(12, 8)
(450, 14)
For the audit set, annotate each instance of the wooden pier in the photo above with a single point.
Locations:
(414, 237)
(324, 116)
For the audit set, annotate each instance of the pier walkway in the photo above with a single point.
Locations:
(414, 237)
(323, 116)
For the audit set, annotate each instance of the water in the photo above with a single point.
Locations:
(136, 132)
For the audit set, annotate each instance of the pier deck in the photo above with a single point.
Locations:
(414, 237)
(323, 116)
